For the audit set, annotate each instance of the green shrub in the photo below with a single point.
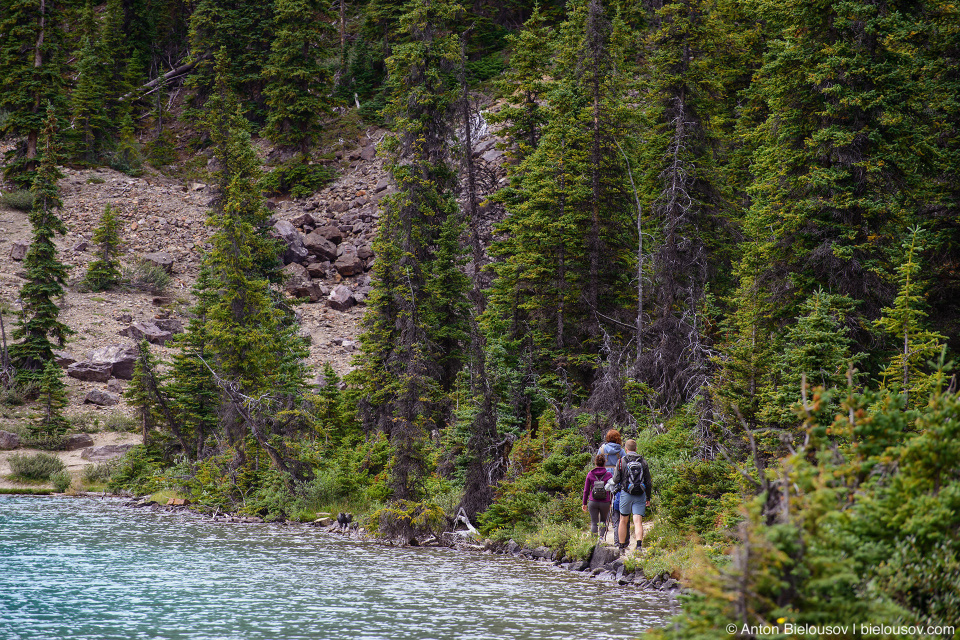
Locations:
(297, 177)
(547, 489)
(139, 472)
(100, 473)
(61, 481)
(406, 520)
(19, 200)
(121, 422)
(40, 466)
(143, 275)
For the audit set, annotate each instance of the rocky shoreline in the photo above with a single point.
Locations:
(605, 563)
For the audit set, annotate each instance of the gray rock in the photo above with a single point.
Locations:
(543, 552)
(330, 232)
(9, 441)
(364, 252)
(304, 219)
(173, 325)
(341, 298)
(105, 452)
(63, 358)
(147, 330)
(18, 250)
(115, 385)
(101, 398)
(160, 258)
(348, 263)
(319, 245)
(492, 156)
(295, 251)
(368, 153)
(318, 269)
(298, 283)
(121, 357)
(90, 371)
(339, 207)
(603, 554)
(382, 184)
(77, 441)
(83, 245)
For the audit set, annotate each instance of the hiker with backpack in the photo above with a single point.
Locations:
(596, 498)
(612, 450)
(636, 487)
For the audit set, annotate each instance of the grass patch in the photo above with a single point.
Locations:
(95, 180)
(121, 422)
(143, 275)
(162, 496)
(28, 491)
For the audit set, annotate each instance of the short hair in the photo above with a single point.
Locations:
(613, 436)
(630, 445)
(600, 460)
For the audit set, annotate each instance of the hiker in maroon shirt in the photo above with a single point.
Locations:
(596, 499)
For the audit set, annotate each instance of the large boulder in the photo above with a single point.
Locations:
(122, 358)
(341, 298)
(298, 283)
(147, 330)
(77, 441)
(160, 258)
(63, 358)
(18, 250)
(101, 398)
(9, 441)
(330, 232)
(348, 263)
(105, 452)
(318, 244)
(295, 250)
(90, 371)
(603, 555)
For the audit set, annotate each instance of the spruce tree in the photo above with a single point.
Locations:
(46, 275)
(525, 86)
(88, 100)
(411, 337)
(904, 322)
(31, 76)
(218, 24)
(193, 389)
(53, 398)
(296, 81)
(104, 272)
(143, 390)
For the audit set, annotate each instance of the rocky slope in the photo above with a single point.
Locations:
(329, 257)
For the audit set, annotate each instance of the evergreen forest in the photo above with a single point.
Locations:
(728, 229)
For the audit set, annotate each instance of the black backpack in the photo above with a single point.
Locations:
(599, 492)
(633, 477)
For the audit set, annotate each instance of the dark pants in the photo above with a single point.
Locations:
(598, 514)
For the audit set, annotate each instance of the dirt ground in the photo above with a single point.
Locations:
(72, 459)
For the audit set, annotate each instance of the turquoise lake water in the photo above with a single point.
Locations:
(94, 569)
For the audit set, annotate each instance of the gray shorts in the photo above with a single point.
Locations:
(637, 505)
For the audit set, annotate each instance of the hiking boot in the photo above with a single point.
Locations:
(639, 545)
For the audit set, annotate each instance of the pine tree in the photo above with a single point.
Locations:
(907, 372)
(53, 398)
(46, 275)
(104, 272)
(296, 82)
(31, 58)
